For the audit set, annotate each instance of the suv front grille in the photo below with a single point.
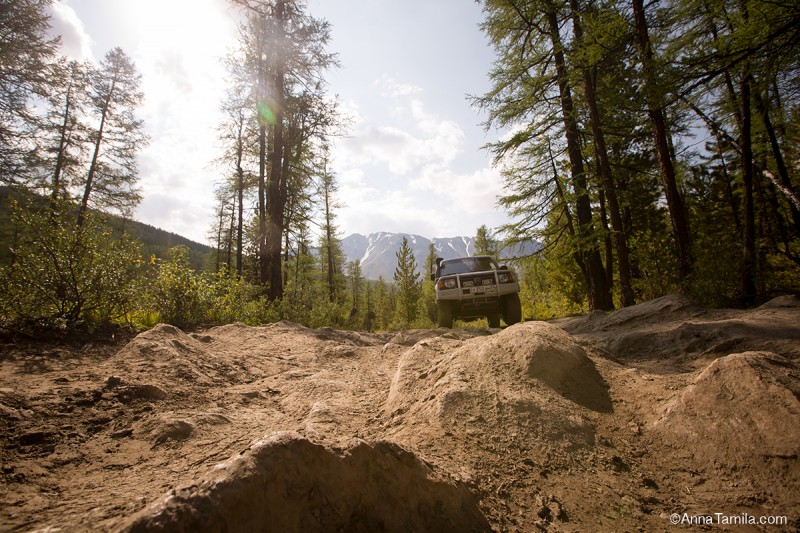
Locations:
(477, 281)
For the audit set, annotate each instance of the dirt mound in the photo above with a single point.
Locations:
(288, 483)
(174, 357)
(676, 330)
(413, 336)
(789, 300)
(530, 376)
(735, 429)
(742, 405)
(658, 310)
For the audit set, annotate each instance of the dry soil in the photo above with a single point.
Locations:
(606, 422)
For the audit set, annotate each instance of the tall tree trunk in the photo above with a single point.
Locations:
(240, 197)
(274, 204)
(63, 142)
(219, 236)
(262, 204)
(604, 167)
(591, 263)
(608, 246)
(231, 231)
(87, 190)
(329, 245)
(748, 235)
(726, 184)
(680, 225)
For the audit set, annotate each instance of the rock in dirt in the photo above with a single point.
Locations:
(742, 410)
(287, 483)
(666, 307)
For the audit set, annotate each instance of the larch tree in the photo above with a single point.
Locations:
(64, 133)
(661, 136)
(27, 55)
(237, 133)
(332, 257)
(284, 50)
(532, 95)
(588, 69)
(110, 182)
(485, 243)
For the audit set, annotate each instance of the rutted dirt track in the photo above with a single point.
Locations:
(607, 422)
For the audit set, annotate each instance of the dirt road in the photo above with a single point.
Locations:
(607, 422)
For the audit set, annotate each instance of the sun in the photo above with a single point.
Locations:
(193, 28)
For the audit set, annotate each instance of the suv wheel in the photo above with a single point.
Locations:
(444, 315)
(512, 309)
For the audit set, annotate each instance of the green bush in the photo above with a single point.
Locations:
(180, 295)
(64, 276)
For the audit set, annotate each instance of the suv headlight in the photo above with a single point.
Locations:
(505, 277)
(447, 284)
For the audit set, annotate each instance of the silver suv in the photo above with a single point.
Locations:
(475, 287)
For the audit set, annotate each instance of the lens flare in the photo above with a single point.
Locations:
(265, 113)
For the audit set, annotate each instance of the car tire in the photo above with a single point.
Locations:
(494, 320)
(444, 315)
(512, 309)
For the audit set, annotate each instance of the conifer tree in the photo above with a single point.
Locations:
(26, 59)
(64, 134)
(114, 97)
(284, 56)
(485, 244)
(409, 288)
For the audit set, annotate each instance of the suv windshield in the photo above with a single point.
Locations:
(468, 264)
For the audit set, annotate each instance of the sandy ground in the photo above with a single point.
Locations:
(606, 422)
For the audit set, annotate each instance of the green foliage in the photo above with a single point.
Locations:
(232, 299)
(685, 215)
(409, 289)
(548, 288)
(180, 296)
(485, 243)
(66, 277)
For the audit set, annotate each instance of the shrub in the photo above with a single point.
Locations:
(64, 276)
(179, 294)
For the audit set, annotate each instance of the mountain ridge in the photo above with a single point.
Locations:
(377, 251)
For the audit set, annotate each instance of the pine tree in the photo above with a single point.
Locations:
(114, 97)
(485, 244)
(409, 288)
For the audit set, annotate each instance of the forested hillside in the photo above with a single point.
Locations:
(155, 241)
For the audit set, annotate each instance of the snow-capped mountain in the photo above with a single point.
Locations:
(377, 251)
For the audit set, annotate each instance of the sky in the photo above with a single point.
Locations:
(412, 159)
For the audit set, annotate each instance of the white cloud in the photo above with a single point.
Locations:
(398, 172)
(418, 139)
(389, 87)
(169, 212)
(368, 209)
(473, 193)
(75, 42)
